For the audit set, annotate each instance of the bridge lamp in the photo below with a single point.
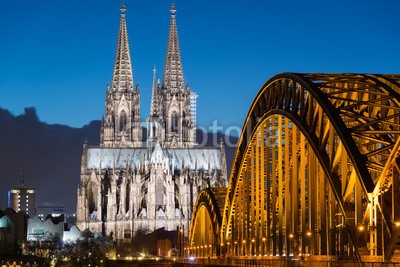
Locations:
(222, 244)
(361, 228)
(244, 241)
(308, 233)
(228, 243)
(253, 240)
(209, 246)
(264, 239)
(291, 236)
(397, 223)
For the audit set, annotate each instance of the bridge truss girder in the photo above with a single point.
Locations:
(313, 170)
(205, 224)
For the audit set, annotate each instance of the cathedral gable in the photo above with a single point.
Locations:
(158, 155)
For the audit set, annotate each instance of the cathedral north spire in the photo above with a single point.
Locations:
(173, 73)
(170, 119)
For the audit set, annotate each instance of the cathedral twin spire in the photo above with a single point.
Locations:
(123, 74)
(170, 119)
(121, 126)
(173, 74)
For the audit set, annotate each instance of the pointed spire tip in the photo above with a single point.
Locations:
(123, 9)
(173, 10)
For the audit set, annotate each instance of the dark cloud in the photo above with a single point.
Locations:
(51, 155)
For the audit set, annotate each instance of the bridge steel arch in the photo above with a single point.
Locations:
(315, 170)
(205, 226)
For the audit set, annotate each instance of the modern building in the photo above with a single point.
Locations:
(13, 231)
(45, 230)
(45, 209)
(51, 227)
(128, 185)
(193, 108)
(22, 198)
(54, 210)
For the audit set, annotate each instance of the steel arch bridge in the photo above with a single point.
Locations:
(315, 171)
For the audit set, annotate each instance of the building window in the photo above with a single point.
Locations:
(37, 231)
(174, 123)
(159, 193)
(122, 121)
(127, 233)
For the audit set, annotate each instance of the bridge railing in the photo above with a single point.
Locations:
(278, 262)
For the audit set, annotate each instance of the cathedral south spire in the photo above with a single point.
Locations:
(121, 125)
(123, 74)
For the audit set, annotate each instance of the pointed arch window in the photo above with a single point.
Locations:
(159, 193)
(154, 129)
(122, 121)
(174, 123)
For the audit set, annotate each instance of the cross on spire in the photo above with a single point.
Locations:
(173, 10)
(123, 9)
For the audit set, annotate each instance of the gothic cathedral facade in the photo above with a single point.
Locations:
(129, 183)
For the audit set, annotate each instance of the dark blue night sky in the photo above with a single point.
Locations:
(58, 55)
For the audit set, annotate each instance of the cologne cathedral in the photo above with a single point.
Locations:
(129, 183)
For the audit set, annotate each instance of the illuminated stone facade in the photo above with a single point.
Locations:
(128, 185)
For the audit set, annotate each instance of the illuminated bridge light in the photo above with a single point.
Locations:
(316, 148)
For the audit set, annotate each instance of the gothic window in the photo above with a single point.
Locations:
(154, 129)
(122, 121)
(127, 233)
(174, 123)
(159, 193)
(128, 191)
(91, 198)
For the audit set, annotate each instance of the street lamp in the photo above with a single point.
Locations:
(264, 239)
(252, 248)
(235, 252)
(309, 234)
(291, 236)
(360, 231)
